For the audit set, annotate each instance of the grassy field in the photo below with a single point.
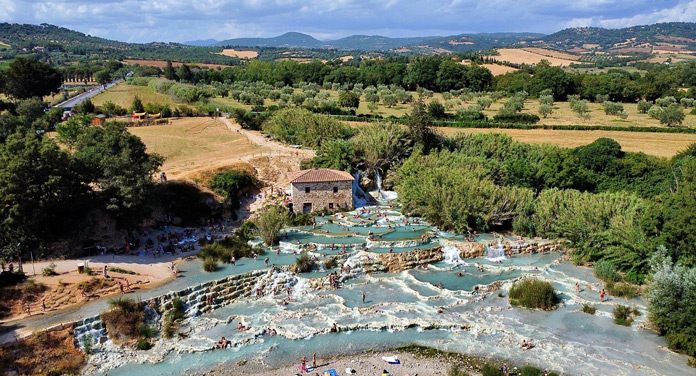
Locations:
(242, 54)
(534, 56)
(123, 94)
(658, 144)
(192, 146)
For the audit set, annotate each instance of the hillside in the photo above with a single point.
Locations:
(667, 37)
(374, 42)
(288, 40)
(476, 42)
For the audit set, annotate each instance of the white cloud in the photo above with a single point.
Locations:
(682, 12)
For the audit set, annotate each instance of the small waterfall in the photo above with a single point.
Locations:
(451, 254)
(381, 194)
(495, 254)
(359, 199)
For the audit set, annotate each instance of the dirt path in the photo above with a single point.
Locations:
(256, 138)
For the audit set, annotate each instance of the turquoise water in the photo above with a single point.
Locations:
(410, 307)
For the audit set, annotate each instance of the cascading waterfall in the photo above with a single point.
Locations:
(497, 253)
(359, 199)
(451, 254)
(382, 194)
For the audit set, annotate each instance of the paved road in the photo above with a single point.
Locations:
(74, 101)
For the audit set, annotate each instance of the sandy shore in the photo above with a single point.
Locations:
(370, 363)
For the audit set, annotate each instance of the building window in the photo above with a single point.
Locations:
(331, 205)
(306, 190)
(335, 189)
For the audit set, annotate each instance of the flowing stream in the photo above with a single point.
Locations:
(446, 306)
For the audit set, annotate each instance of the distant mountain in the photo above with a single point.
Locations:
(202, 42)
(374, 42)
(287, 40)
(27, 35)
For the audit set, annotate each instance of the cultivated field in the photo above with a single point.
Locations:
(658, 144)
(163, 63)
(3, 44)
(193, 146)
(497, 69)
(123, 94)
(242, 54)
(534, 56)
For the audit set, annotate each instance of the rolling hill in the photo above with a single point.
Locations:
(287, 40)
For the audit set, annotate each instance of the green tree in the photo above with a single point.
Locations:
(672, 115)
(169, 72)
(137, 105)
(336, 154)
(348, 99)
(86, 107)
(31, 109)
(103, 77)
(35, 184)
(184, 73)
(436, 110)
(115, 163)
(545, 110)
(381, 145)
(229, 184)
(69, 131)
(419, 125)
(270, 221)
(26, 78)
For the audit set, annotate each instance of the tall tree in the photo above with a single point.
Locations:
(103, 77)
(26, 78)
(169, 72)
(184, 73)
(419, 125)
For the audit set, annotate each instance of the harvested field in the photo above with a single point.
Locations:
(242, 54)
(496, 69)
(163, 63)
(192, 146)
(534, 56)
(346, 58)
(658, 144)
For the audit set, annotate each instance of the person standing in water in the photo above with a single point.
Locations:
(363, 297)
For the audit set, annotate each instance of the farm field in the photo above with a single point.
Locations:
(663, 145)
(534, 56)
(194, 145)
(123, 94)
(242, 54)
(163, 63)
(3, 44)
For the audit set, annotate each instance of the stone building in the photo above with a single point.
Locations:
(316, 189)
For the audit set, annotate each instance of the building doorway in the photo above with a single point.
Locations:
(307, 207)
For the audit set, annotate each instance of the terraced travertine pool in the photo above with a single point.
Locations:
(434, 307)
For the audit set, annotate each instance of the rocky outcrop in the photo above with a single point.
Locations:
(396, 262)
(468, 250)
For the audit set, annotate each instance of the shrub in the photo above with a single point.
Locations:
(177, 311)
(303, 264)
(532, 293)
(589, 309)
(490, 370)
(210, 264)
(50, 270)
(622, 315)
(511, 117)
(32, 287)
(168, 329)
(87, 345)
(125, 319)
(116, 269)
(456, 371)
(622, 289)
(147, 331)
(270, 221)
(606, 271)
(644, 107)
(330, 263)
(143, 344)
(530, 371)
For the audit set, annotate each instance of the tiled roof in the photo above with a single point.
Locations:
(319, 175)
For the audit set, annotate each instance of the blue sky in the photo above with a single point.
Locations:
(183, 20)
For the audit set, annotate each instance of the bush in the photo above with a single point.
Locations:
(50, 270)
(490, 370)
(116, 269)
(87, 345)
(507, 117)
(532, 293)
(622, 289)
(530, 371)
(147, 331)
(125, 319)
(303, 264)
(589, 309)
(210, 264)
(622, 315)
(606, 271)
(177, 311)
(32, 287)
(330, 263)
(143, 344)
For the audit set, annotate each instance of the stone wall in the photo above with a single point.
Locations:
(322, 194)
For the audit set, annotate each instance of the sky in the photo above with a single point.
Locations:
(184, 20)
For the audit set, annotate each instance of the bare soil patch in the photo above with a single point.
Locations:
(534, 56)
